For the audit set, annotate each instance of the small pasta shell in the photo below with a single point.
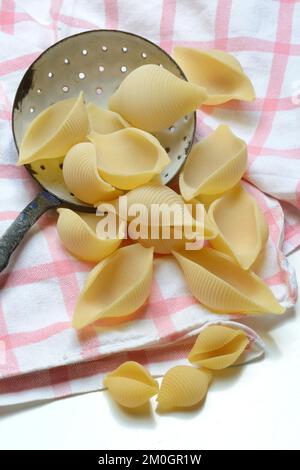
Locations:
(152, 99)
(129, 158)
(223, 286)
(131, 385)
(183, 387)
(218, 72)
(116, 287)
(218, 347)
(78, 234)
(55, 130)
(104, 121)
(82, 177)
(242, 228)
(214, 165)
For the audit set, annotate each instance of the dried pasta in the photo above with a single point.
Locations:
(53, 132)
(218, 72)
(182, 387)
(152, 99)
(104, 121)
(218, 347)
(131, 385)
(78, 234)
(242, 228)
(153, 195)
(82, 177)
(129, 158)
(223, 286)
(190, 235)
(214, 165)
(116, 287)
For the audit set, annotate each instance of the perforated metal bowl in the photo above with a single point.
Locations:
(95, 62)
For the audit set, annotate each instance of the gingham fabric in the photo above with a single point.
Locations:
(45, 358)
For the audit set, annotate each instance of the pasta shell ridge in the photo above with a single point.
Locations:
(242, 228)
(165, 246)
(214, 165)
(54, 131)
(218, 347)
(152, 98)
(220, 284)
(104, 121)
(149, 195)
(131, 385)
(116, 287)
(81, 175)
(182, 387)
(129, 158)
(218, 72)
(78, 234)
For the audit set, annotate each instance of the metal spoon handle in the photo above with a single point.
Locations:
(29, 215)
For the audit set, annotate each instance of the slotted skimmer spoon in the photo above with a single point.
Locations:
(95, 62)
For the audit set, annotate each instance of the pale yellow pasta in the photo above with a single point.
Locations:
(116, 287)
(131, 385)
(165, 232)
(129, 158)
(218, 72)
(208, 199)
(183, 387)
(154, 194)
(202, 219)
(214, 165)
(242, 228)
(151, 98)
(53, 132)
(155, 197)
(165, 246)
(189, 235)
(218, 347)
(82, 177)
(104, 121)
(223, 286)
(78, 234)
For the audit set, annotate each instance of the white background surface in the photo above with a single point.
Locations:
(256, 406)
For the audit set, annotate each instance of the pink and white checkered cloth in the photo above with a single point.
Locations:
(44, 357)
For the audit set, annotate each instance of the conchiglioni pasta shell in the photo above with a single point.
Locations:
(214, 165)
(242, 228)
(82, 177)
(151, 98)
(78, 234)
(218, 347)
(53, 132)
(156, 197)
(165, 246)
(129, 158)
(208, 199)
(131, 385)
(104, 121)
(223, 286)
(182, 237)
(116, 287)
(154, 194)
(183, 387)
(218, 72)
